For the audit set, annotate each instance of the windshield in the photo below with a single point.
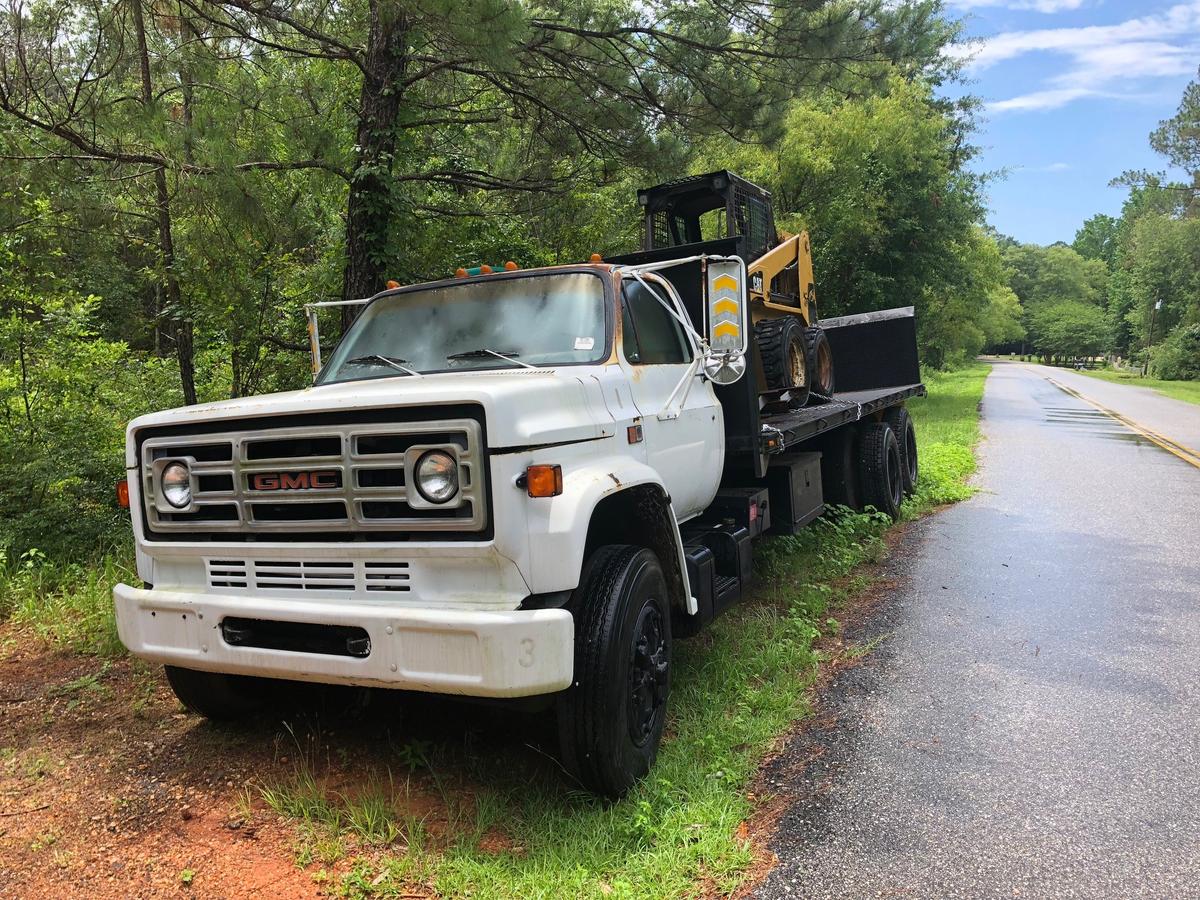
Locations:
(502, 323)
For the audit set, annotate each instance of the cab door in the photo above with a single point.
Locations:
(682, 424)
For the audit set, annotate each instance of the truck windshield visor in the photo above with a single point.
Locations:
(541, 320)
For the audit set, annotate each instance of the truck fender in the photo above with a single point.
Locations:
(613, 500)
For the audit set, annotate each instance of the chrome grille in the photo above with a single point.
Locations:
(342, 575)
(328, 478)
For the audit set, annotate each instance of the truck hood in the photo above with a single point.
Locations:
(522, 408)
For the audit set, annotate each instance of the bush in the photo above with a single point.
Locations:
(65, 397)
(1178, 357)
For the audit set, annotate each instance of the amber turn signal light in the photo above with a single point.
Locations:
(544, 481)
(123, 493)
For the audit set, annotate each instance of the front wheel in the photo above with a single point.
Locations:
(216, 695)
(611, 718)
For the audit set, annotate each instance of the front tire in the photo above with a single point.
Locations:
(611, 718)
(216, 695)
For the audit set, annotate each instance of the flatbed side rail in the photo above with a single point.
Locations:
(784, 432)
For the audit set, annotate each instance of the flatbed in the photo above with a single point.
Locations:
(783, 432)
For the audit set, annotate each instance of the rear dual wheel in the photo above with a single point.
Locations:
(901, 423)
(880, 468)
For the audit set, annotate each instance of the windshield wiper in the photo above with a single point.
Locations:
(375, 358)
(484, 352)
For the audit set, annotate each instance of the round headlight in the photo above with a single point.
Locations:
(176, 483)
(437, 476)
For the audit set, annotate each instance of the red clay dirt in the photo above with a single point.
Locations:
(109, 789)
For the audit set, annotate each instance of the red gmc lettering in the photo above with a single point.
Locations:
(293, 481)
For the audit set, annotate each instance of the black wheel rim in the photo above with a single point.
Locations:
(648, 674)
(894, 484)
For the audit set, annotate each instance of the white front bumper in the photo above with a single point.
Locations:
(476, 653)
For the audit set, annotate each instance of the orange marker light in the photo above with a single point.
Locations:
(392, 285)
(510, 266)
(460, 272)
(123, 493)
(485, 270)
(596, 257)
(544, 481)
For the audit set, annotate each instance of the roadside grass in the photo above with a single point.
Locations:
(507, 830)
(1188, 391)
(736, 689)
(947, 425)
(66, 604)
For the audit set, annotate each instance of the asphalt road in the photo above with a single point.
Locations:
(1029, 723)
(1174, 419)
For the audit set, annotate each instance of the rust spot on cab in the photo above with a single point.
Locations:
(616, 480)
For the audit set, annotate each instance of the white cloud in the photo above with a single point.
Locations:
(1103, 60)
(1042, 6)
(1050, 169)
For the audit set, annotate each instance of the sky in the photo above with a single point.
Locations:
(1071, 91)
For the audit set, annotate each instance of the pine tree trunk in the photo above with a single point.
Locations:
(166, 242)
(368, 209)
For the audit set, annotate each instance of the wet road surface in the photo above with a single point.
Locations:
(1029, 723)
(1174, 419)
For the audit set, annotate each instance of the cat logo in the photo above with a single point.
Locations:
(295, 481)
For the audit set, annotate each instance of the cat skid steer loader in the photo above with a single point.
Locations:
(795, 360)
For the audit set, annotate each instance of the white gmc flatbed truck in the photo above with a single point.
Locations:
(511, 484)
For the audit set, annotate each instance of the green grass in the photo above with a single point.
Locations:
(68, 605)
(947, 424)
(1188, 391)
(736, 689)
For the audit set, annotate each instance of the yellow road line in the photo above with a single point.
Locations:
(1187, 454)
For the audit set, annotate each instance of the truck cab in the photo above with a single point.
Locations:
(481, 494)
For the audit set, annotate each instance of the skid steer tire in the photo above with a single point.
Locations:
(784, 353)
(610, 720)
(879, 468)
(820, 365)
(218, 696)
(902, 424)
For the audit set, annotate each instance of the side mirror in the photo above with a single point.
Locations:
(726, 324)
